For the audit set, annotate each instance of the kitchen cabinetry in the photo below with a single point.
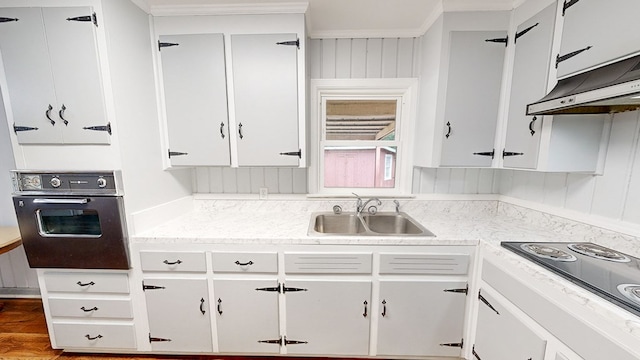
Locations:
(463, 57)
(595, 32)
(531, 65)
(51, 65)
(254, 66)
(500, 335)
(177, 307)
(88, 310)
(195, 97)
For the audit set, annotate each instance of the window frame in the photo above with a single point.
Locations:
(403, 89)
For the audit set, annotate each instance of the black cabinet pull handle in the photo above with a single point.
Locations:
(93, 338)
(240, 130)
(61, 114)
(449, 129)
(172, 262)
(222, 130)
(48, 114)
(365, 308)
(89, 310)
(531, 125)
(86, 284)
(219, 306)
(202, 306)
(384, 308)
(244, 264)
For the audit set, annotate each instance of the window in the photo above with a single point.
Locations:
(362, 136)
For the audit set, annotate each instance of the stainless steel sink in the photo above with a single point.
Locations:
(380, 224)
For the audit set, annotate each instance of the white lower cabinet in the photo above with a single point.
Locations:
(328, 317)
(501, 335)
(178, 310)
(421, 318)
(247, 316)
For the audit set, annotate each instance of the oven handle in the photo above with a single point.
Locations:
(61, 201)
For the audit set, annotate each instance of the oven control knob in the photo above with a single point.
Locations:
(55, 182)
(102, 182)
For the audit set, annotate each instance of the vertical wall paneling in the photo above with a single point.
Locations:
(300, 181)
(257, 179)
(229, 180)
(470, 183)
(555, 185)
(631, 210)
(358, 58)
(579, 190)
(315, 59)
(487, 183)
(442, 181)
(285, 180)
(374, 58)
(215, 181)
(243, 180)
(404, 66)
(457, 180)
(271, 180)
(389, 58)
(328, 59)
(343, 59)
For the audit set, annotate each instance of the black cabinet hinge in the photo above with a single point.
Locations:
(17, 128)
(6, 19)
(291, 289)
(567, 4)
(504, 40)
(106, 128)
(272, 341)
(165, 44)
(510, 153)
(562, 58)
(157, 339)
(293, 342)
(519, 34)
(295, 43)
(464, 290)
(460, 344)
(474, 353)
(151, 287)
(277, 289)
(176, 153)
(87, 18)
(293, 153)
(486, 153)
(486, 302)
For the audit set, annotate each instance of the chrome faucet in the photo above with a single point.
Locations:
(360, 206)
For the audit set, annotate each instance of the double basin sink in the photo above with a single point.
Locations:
(379, 224)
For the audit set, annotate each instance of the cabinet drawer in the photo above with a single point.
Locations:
(250, 262)
(174, 261)
(448, 264)
(327, 263)
(86, 282)
(91, 308)
(98, 336)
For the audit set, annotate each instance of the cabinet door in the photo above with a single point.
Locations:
(265, 87)
(472, 97)
(500, 335)
(329, 317)
(73, 52)
(610, 28)
(247, 318)
(529, 83)
(27, 69)
(195, 96)
(179, 317)
(416, 317)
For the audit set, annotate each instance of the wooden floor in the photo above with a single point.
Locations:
(23, 335)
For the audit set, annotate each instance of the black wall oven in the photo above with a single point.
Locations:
(71, 219)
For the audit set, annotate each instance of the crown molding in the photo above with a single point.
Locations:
(230, 9)
(364, 34)
(474, 5)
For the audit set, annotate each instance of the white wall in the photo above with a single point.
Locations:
(614, 195)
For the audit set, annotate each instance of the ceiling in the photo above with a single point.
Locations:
(339, 18)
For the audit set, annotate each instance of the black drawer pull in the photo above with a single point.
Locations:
(86, 284)
(172, 263)
(89, 310)
(244, 264)
(93, 338)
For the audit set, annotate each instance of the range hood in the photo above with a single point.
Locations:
(608, 89)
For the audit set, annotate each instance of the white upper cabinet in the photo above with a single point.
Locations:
(234, 90)
(532, 42)
(596, 31)
(52, 70)
(265, 89)
(474, 80)
(462, 66)
(195, 97)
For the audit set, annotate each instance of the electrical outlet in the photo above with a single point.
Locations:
(264, 192)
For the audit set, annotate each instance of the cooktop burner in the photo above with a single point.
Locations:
(548, 252)
(598, 252)
(610, 274)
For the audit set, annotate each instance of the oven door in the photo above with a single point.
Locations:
(82, 232)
